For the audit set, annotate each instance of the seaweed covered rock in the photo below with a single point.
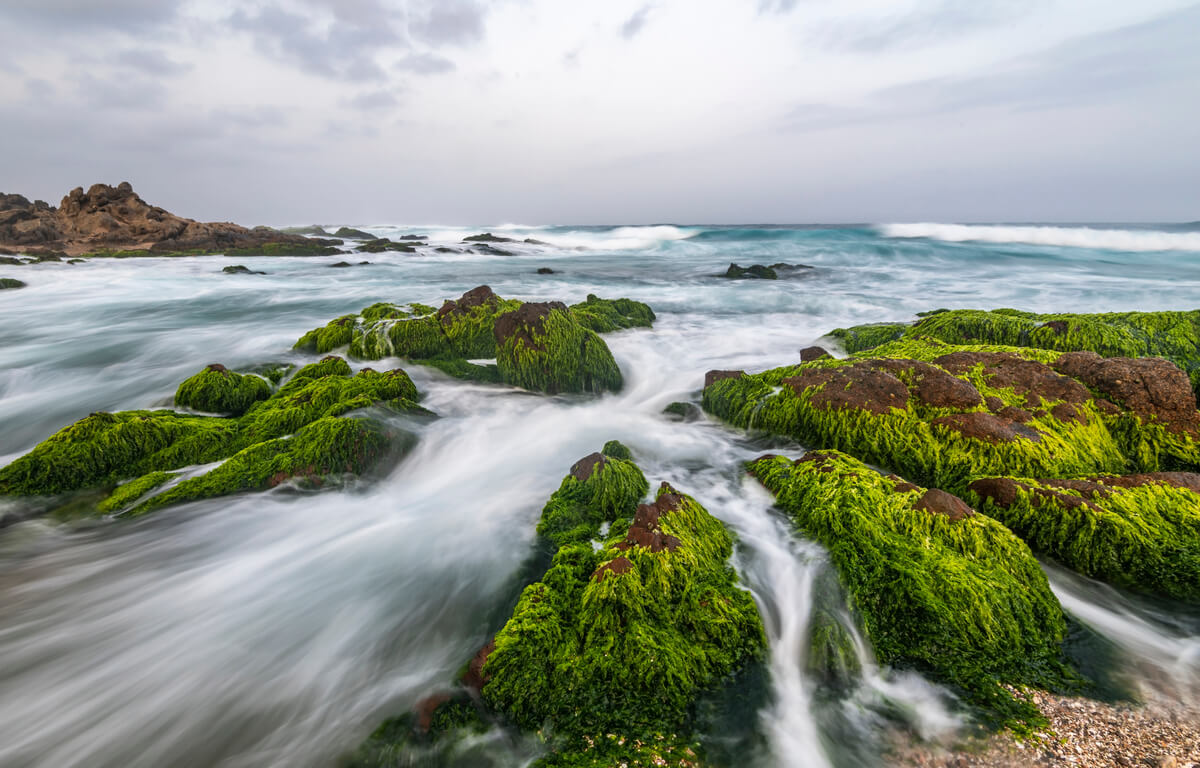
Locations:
(469, 321)
(1172, 335)
(318, 453)
(605, 315)
(957, 414)
(104, 448)
(752, 272)
(337, 333)
(541, 346)
(936, 587)
(613, 645)
(1141, 531)
(217, 389)
(601, 487)
(637, 620)
(10, 282)
(465, 333)
(300, 432)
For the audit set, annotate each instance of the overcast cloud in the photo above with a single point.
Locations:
(533, 111)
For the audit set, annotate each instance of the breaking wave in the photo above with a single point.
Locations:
(1071, 237)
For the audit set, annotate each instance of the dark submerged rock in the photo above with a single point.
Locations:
(239, 269)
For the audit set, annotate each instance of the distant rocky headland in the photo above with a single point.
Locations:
(115, 221)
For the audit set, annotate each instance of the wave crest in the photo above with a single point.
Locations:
(1071, 237)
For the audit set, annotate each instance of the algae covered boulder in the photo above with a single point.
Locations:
(1172, 335)
(966, 412)
(10, 282)
(1140, 531)
(540, 346)
(302, 433)
(604, 315)
(605, 657)
(936, 586)
(217, 389)
(545, 347)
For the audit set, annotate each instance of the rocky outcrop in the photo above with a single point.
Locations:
(107, 220)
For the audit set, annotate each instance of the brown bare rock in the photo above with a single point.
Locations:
(1003, 491)
(644, 530)
(932, 385)
(616, 567)
(588, 465)
(426, 708)
(1151, 387)
(808, 354)
(713, 377)
(862, 386)
(1037, 382)
(987, 427)
(939, 502)
(476, 297)
(115, 218)
(474, 678)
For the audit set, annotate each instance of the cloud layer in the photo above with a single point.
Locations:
(526, 110)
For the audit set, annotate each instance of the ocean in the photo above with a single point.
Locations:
(280, 628)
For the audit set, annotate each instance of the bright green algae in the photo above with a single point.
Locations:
(605, 657)
(911, 433)
(104, 448)
(564, 355)
(961, 599)
(1173, 335)
(605, 315)
(624, 639)
(298, 432)
(219, 390)
(130, 492)
(1140, 532)
(548, 351)
(317, 453)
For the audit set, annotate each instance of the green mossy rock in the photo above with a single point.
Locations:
(298, 433)
(936, 586)
(105, 448)
(9, 282)
(1141, 532)
(217, 389)
(307, 398)
(609, 657)
(612, 647)
(318, 453)
(968, 413)
(567, 358)
(540, 346)
(602, 487)
(863, 337)
(127, 494)
(1173, 335)
(605, 315)
(338, 333)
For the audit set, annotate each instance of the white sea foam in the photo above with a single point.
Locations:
(1073, 237)
(619, 239)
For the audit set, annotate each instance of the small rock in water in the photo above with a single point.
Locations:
(341, 264)
(238, 269)
(8, 282)
(545, 271)
(487, 237)
(752, 272)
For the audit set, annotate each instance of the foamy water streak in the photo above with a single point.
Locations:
(1131, 240)
(278, 629)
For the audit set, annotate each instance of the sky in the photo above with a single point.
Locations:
(549, 112)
